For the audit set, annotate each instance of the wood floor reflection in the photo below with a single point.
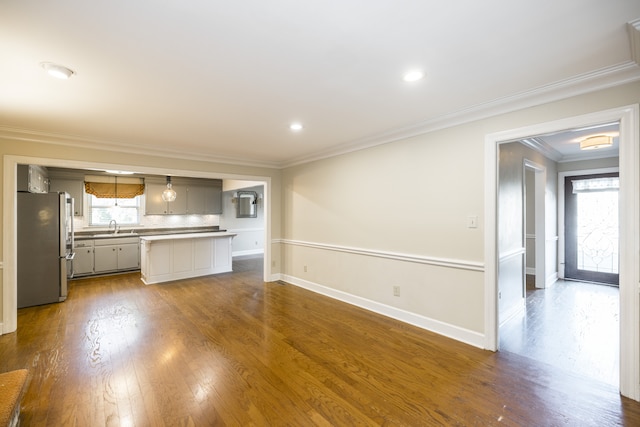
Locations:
(570, 325)
(232, 350)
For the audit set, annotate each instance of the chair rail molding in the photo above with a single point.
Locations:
(420, 259)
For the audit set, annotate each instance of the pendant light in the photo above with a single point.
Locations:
(169, 194)
(115, 209)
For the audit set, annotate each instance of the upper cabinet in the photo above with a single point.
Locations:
(72, 183)
(33, 178)
(193, 197)
(75, 187)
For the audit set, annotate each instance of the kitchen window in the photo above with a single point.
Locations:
(123, 211)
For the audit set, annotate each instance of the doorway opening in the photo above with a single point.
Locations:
(568, 324)
(629, 234)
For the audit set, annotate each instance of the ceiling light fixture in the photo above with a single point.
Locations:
(595, 142)
(413, 76)
(295, 127)
(169, 194)
(57, 71)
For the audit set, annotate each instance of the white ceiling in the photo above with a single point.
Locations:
(564, 146)
(223, 80)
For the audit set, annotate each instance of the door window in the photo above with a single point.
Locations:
(591, 225)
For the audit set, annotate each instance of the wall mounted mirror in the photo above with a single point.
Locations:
(246, 204)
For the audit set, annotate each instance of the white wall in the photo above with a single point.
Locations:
(511, 225)
(250, 231)
(356, 225)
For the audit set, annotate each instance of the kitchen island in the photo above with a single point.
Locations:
(179, 256)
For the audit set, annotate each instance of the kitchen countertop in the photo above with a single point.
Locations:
(187, 236)
(90, 235)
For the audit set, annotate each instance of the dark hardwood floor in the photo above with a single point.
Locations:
(232, 350)
(570, 325)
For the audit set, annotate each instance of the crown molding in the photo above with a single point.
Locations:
(551, 153)
(543, 148)
(616, 75)
(80, 142)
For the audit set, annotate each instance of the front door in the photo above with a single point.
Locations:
(591, 227)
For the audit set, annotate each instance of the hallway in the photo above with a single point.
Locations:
(571, 325)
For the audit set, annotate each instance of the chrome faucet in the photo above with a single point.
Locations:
(115, 226)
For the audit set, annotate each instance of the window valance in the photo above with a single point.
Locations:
(130, 188)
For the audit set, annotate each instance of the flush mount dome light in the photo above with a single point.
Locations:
(295, 127)
(57, 71)
(595, 142)
(413, 76)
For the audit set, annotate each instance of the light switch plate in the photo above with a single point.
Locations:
(472, 221)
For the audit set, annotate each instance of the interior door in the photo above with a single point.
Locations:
(591, 228)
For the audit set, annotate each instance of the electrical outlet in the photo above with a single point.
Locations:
(273, 263)
(305, 268)
(396, 291)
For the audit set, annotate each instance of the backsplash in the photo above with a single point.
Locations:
(159, 221)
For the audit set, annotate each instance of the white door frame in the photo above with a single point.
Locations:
(629, 231)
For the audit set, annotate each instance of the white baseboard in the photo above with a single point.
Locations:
(513, 311)
(531, 271)
(551, 279)
(248, 252)
(473, 338)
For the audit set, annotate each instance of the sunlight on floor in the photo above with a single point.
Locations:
(570, 325)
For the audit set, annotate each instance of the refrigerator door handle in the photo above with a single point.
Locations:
(62, 212)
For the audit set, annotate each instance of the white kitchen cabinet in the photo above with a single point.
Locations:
(116, 254)
(83, 259)
(180, 256)
(75, 187)
(128, 256)
(106, 258)
(33, 178)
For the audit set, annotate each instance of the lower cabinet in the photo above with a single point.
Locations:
(83, 259)
(116, 254)
(106, 258)
(129, 256)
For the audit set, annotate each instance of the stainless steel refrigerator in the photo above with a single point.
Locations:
(45, 245)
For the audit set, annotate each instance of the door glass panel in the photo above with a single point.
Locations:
(591, 228)
(597, 234)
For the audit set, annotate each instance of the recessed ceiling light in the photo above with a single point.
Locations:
(57, 71)
(413, 76)
(295, 127)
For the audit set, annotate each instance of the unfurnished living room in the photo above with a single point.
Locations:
(320, 213)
